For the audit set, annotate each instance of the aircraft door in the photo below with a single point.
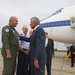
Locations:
(72, 22)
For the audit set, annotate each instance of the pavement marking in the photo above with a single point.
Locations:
(66, 71)
(61, 63)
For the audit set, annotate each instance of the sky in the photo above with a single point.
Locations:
(25, 9)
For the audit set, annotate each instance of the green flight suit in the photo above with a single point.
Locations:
(9, 40)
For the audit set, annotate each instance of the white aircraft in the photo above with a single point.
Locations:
(61, 25)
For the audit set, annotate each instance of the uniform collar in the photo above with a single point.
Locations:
(11, 26)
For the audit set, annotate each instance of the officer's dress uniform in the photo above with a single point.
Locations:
(22, 67)
(9, 41)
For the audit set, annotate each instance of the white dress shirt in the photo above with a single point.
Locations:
(46, 42)
(36, 27)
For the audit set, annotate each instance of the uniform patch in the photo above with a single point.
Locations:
(6, 30)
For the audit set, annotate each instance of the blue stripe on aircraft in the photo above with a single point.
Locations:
(55, 24)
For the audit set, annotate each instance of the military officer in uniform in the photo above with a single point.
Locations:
(23, 59)
(10, 46)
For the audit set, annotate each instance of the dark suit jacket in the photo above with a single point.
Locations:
(49, 48)
(72, 50)
(37, 46)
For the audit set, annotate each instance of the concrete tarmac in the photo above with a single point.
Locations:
(59, 66)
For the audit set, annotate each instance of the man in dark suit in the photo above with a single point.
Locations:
(72, 49)
(37, 47)
(49, 44)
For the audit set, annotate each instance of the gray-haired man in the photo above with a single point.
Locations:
(37, 47)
